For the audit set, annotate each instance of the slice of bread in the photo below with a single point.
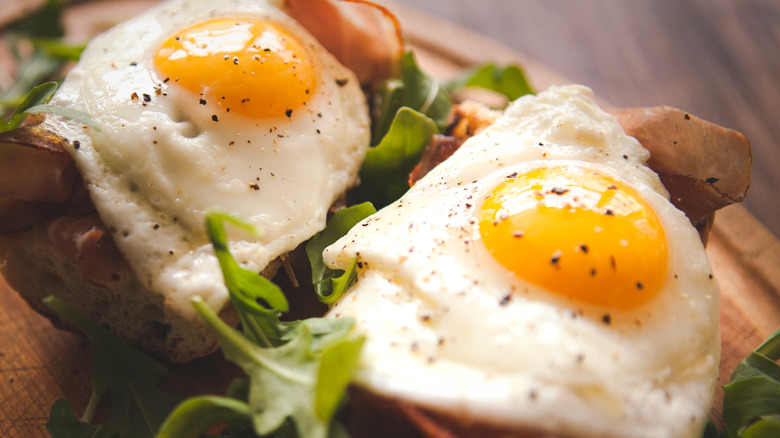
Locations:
(35, 267)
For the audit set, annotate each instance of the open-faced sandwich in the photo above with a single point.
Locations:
(538, 282)
(191, 106)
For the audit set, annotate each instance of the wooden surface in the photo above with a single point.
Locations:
(39, 364)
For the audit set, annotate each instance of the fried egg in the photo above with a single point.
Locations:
(539, 279)
(204, 105)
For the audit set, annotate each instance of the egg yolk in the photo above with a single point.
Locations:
(577, 233)
(246, 66)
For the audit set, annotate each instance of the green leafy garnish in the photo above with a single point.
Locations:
(129, 377)
(413, 89)
(42, 31)
(257, 300)
(286, 381)
(63, 424)
(509, 81)
(37, 96)
(197, 414)
(385, 172)
(751, 404)
(408, 111)
(297, 371)
(330, 284)
(68, 113)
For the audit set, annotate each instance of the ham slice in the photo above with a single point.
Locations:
(363, 36)
(85, 241)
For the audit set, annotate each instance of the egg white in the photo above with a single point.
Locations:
(160, 161)
(452, 330)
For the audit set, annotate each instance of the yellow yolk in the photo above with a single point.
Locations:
(246, 66)
(577, 233)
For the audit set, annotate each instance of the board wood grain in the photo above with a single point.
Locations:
(40, 364)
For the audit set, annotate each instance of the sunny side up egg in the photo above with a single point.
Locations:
(201, 105)
(539, 279)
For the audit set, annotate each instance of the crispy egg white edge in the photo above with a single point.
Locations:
(167, 254)
(655, 378)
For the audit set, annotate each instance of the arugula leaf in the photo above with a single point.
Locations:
(751, 404)
(510, 80)
(197, 414)
(37, 96)
(385, 172)
(63, 424)
(138, 406)
(284, 380)
(69, 113)
(248, 289)
(44, 30)
(57, 48)
(329, 284)
(414, 89)
(297, 371)
(337, 363)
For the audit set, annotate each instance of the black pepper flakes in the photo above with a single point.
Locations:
(202, 101)
(76, 144)
(711, 180)
(687, 116)
(556, 258)
(254, 186)
(609, 212)
(147, 98)
(639, 285)
(214, 118)
(584, 248)
(606, 319)
(341, 82)
(505, 300)
(288, 113)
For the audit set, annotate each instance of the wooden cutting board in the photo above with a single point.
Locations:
(40, 364)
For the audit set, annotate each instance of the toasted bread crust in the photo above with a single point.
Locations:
(32, 265)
